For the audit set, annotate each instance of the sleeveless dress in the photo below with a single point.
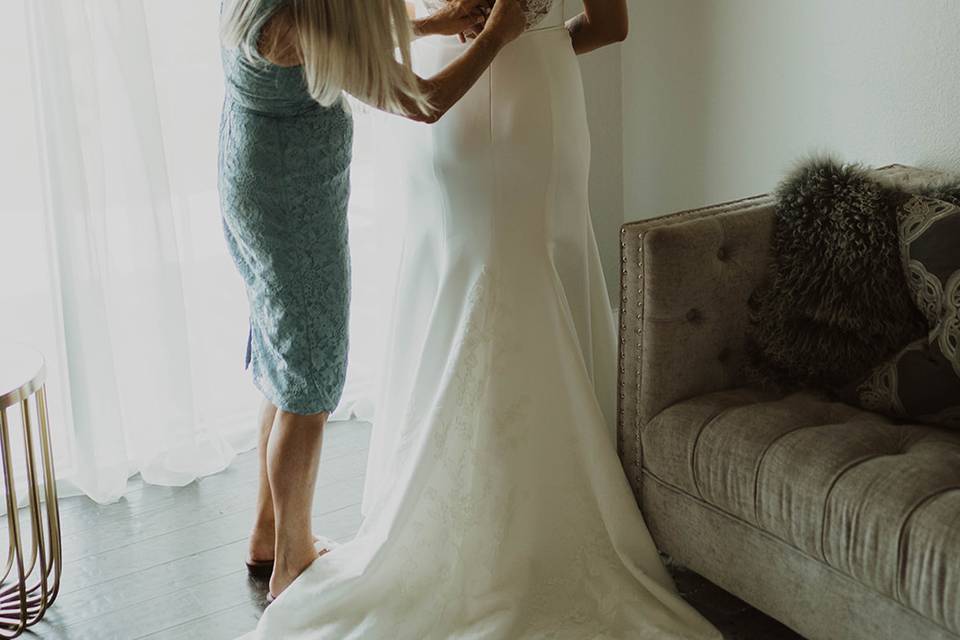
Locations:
(496, 507)
(284, 186)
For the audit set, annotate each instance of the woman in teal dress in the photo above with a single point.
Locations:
(285, 145)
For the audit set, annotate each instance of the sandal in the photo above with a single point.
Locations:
(324, 545)
(263, 569)
(259, 569)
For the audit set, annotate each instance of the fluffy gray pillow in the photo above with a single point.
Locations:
(836, 301)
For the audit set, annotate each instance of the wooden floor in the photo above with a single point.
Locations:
(167, 564)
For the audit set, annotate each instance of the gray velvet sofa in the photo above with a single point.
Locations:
(837, 522)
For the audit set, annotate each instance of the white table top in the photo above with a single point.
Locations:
(22, 372)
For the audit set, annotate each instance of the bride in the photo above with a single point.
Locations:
(495, 504)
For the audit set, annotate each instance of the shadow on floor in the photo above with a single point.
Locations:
(736, 619)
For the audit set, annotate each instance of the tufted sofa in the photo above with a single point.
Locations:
(838, 522)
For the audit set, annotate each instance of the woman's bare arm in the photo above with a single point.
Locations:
(445, 89)
(278, 37)
(505, 22)
(602, 22)
(455, 17)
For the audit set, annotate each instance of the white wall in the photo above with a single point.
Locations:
(720, 97)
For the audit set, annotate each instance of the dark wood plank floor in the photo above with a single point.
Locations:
(167, 564)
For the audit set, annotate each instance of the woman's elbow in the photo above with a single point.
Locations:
(432, 108)
(426, 111)
(619, 31)
(434, 114)
(427, 117)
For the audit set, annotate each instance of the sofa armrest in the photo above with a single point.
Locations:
(685, 283)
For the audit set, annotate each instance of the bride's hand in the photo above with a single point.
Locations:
(455, 18)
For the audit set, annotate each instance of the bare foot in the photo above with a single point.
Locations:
(289, 566)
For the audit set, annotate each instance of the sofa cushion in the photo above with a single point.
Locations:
(836, 301)
(867, 496)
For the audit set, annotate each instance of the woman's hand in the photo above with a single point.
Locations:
(455, 18)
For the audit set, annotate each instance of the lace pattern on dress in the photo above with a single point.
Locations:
(535, 10)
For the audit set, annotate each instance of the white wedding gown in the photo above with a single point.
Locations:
(496, 507)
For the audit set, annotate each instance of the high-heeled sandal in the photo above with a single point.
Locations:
(259, 569)
(263, 569)
(324, 546)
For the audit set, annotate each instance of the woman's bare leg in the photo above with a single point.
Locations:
(262, 539)
(293, 457)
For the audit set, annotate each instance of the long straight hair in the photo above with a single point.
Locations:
(345, 45)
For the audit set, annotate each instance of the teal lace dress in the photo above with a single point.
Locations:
(284, 184)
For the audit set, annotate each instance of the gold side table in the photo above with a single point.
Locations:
(31, 578)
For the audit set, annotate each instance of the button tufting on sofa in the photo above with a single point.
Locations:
(694, 315)
(722, 254)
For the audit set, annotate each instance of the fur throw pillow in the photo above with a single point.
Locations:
(863, 294)
(836, 301)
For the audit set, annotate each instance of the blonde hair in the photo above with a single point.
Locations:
(345, 45)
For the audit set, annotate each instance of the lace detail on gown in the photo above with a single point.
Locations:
(535, 10)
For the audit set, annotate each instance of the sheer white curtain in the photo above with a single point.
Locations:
(109, 221)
